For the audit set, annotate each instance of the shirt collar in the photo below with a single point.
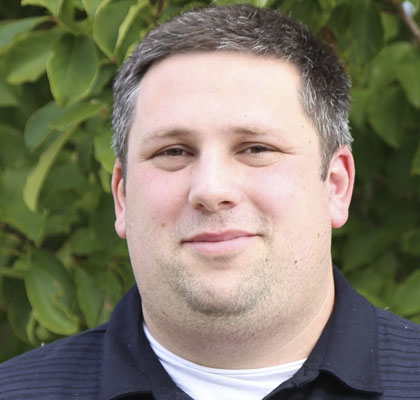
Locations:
(347, 349)
(129, 365)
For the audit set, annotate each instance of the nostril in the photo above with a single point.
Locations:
(214, 202)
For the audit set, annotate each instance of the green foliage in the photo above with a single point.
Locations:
(51, 292)
(72, 68)
(26, 58)
(62, 267)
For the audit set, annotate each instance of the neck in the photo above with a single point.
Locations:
(229, 343)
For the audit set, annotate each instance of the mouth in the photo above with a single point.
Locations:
(220, 242)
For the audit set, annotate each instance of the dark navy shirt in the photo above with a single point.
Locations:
(363, 353)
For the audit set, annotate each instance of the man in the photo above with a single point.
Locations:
(233, 164)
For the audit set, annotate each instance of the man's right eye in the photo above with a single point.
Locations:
(173, 158)
(173, 152)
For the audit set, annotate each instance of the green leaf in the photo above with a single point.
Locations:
(91, 6)
(103, 151)
(111, 286)
(78, 4)
(30, 330)
(386, 64)
(12, 28)
(52, 294)
(12, 147)
(132, 15)
(109, 18)
(68, 17)
(366, 29)
(391, 24)
(12, 273)
(411, 242)
(26, 58)
(135, 31)
(328, 4)
(19, 311)
(77, 113)
(407, 296)
(13, 210)
(91, 299)
(105, 179)
(64, 178)
(386, 112)
(360, 98)
(9, 244)
(309, 12)
(398, 177)
(409, 75)
(43, 122)
(362, 248)
(11, 345)
(105, 75)
(38, 128)
(8, 94)
(376, 281)
(386, 265)
(84, 241)
(59, 223)
(37, 176)
(339, 23)
(103, 222)
(53, 5)
(72, 68)
(368, 281)
(415, 167)
(43, 334)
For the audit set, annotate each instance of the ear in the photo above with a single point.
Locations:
(118, 192)
(340, 181)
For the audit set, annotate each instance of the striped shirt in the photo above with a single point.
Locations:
(363, 353)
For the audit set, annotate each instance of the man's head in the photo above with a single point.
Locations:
(227, 220)
(324, 88)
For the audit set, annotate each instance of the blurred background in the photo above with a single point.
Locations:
(62, 267)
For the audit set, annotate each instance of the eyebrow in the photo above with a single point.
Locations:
(167, 133)
(178, 132)
(255, 131)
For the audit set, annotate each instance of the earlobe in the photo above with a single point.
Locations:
(340, 181)
(118, 192)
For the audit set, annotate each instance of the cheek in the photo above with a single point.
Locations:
(288, 194)
(156, 195)
(273, 189)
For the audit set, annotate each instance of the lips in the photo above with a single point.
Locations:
(220, 243)
(218, 237)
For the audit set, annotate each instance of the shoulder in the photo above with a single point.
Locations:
(398, 355)
(66, 368)
(395, 329)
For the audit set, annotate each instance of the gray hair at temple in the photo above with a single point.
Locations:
(245, 29)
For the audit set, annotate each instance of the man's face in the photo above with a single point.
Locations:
(224, 209)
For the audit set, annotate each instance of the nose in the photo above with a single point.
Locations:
(214, 185)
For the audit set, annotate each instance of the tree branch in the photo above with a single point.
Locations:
(408, 21)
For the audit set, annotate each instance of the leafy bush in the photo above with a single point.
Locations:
(62, 267)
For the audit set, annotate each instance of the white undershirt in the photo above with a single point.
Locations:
(204, 383)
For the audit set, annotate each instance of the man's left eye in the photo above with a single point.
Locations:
(257, 149)
(173, 152)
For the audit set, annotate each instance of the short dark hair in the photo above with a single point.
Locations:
(242, 28)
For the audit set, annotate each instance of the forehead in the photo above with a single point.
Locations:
(215, 91)
(227, 69)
